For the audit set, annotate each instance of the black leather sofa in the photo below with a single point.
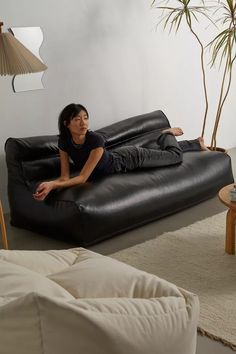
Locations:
(101, 209)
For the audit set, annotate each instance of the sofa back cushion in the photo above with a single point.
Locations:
(132, 128)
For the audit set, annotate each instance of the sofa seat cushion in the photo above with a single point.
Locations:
(83, 274)
(16, 281)
(96, 276)
(43, 262)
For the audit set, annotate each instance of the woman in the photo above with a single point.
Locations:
(87, 151)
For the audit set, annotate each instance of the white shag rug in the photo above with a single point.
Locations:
(194, 258)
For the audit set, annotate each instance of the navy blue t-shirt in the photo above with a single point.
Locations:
(79, 153)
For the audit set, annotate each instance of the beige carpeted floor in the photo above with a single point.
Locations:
(194, 258)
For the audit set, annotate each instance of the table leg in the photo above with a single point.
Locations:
(3, 228)
(230, 232)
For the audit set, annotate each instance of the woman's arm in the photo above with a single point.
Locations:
(65, 166)
(46, 187)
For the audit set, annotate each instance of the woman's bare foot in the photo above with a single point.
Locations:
(202, 144)
(174, 131)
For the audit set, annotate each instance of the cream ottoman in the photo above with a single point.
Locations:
(77, 301)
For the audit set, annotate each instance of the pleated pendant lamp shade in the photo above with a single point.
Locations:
(15, 58)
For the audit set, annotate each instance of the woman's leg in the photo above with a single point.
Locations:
(128, 158)
(168, 152)
(190, 145)
(193, 145)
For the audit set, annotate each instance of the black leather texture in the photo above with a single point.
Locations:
(91, 212)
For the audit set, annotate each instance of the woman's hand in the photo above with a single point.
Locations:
(44, 189)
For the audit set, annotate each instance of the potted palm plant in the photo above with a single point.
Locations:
(222, 46)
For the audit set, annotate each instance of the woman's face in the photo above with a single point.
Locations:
(79, 124)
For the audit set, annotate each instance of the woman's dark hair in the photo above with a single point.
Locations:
(66, 115)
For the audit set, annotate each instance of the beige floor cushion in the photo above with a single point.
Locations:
(77, 301)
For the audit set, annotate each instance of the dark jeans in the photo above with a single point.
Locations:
(168, 151)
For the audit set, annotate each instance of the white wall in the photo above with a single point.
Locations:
(107, 55)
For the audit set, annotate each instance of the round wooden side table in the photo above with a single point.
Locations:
(3, 228)
(224, 197)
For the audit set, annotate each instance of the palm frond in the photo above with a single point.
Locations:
(174, 15)
(222, 46)
(177, 20)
